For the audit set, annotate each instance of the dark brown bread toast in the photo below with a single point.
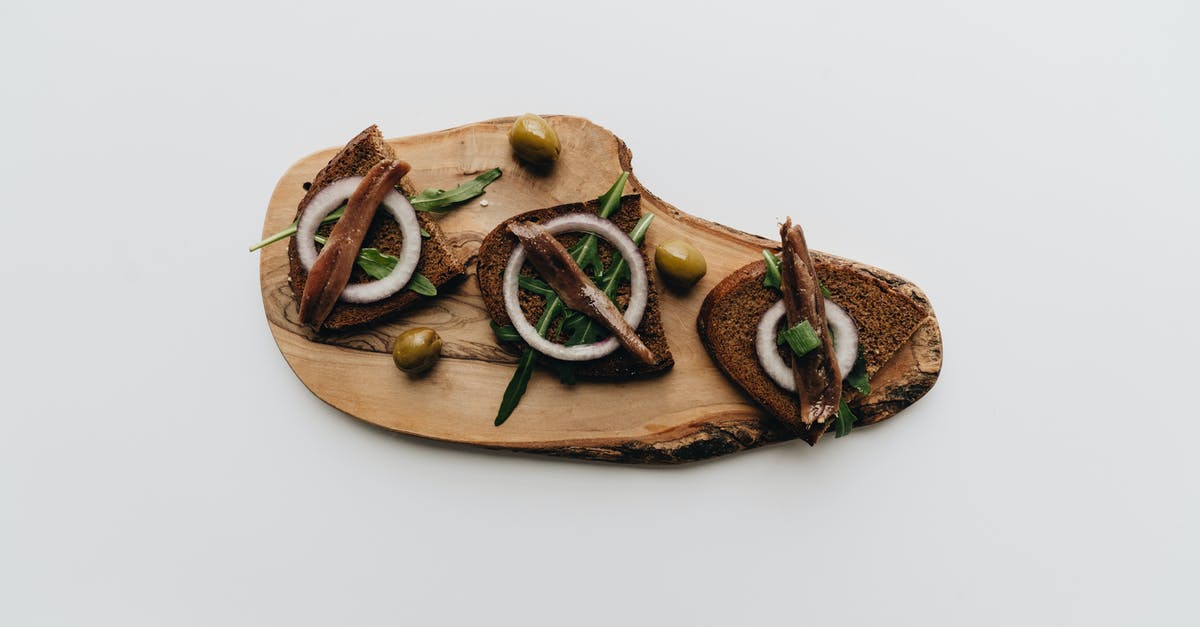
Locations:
(494, 254)
(437, 263)
(730, 314)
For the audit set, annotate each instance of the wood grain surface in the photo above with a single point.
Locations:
(693, 412)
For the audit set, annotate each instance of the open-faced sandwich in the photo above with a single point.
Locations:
(365, 246)
(572, 284)
(801, 334)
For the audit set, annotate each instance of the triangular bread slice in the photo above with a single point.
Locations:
(437, 263)
(729, 317)
(494, 254)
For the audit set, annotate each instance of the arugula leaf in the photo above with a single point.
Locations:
(291, 229)
(586, 253)
(376, 263)
(566, 372)
(379, 264)
(506, 333)
(441, 201)
(587, 250)
(516, 386)
(773, 278)
(857, 378)
(421, 284)
(844, 421)
(535, 285)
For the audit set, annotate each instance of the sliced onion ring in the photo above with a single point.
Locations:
(840, 324)
(329, 199)
(639, 287)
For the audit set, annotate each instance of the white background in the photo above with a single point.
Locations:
(1032, 165)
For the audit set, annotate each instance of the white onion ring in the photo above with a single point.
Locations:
(840, 324)
(639, 287)
(329, 199)
(846, 333)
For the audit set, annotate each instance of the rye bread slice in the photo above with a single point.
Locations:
(437, 263)
(493, 256)
(728, 323)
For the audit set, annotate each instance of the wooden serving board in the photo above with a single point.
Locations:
(693, 412)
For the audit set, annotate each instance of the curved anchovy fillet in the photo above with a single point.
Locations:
(818, 381)
(331, 271)
(577, 291)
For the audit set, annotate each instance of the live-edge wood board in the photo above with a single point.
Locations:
(693, 412)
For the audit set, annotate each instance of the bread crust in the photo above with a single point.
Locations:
(493, 256)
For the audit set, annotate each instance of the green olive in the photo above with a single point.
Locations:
(416, 350)
(679, 263)
(534, 140)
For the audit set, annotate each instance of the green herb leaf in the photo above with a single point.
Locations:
(379, 264)
(610, 201)
(566, 372)
(773, 278)
(857, 378)
(535, 285)
(516, 386)
(421, 284)
(801, 338)
(844, 421)
(506, 333)
(440, 200)
(425, 234)
(587, 251)
(291, 229)
(376, 263)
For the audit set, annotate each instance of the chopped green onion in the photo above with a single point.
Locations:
(801, 338)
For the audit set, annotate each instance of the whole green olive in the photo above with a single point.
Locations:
(417, 349)
(679, 263)
(534, 140)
